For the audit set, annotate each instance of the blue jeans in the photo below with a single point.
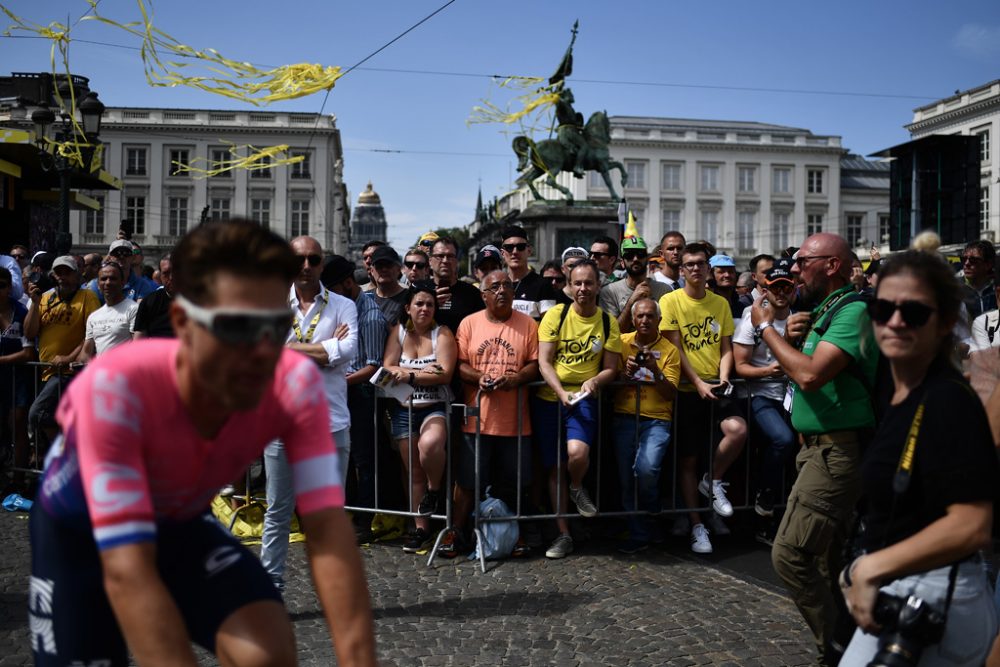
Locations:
(281, 502)
(639, 465)
(773, 421)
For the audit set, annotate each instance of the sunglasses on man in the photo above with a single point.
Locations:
(630, 255)
(241, 326)
(313, 259)
(511, 247)
(415, 265)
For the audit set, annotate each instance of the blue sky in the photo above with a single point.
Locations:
(916, 51)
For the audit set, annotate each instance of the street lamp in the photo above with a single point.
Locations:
(91, 110)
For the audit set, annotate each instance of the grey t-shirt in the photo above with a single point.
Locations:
(616, 295)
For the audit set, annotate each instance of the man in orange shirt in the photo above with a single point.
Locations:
(497, 353)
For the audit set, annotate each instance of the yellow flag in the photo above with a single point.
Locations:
(631, 231)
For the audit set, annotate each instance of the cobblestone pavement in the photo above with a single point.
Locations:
(596, 607)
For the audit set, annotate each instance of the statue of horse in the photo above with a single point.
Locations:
(551, 156)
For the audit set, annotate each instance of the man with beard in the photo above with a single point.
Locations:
(618, 298)
(832, 411)
(59, 319)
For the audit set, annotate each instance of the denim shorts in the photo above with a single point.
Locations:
(401, 424)
(579, 422)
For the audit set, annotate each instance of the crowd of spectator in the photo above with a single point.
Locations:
(635, 346)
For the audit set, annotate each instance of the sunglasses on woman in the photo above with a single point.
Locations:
(914, 313)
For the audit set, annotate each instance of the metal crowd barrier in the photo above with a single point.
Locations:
(34, 437)
(596, 459)
(379, 420)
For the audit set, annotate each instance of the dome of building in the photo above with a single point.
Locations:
(369, 197)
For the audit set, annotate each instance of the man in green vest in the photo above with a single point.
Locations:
(832, 411)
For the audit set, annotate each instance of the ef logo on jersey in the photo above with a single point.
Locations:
(114, 487)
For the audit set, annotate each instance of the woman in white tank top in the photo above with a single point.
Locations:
(422, 354)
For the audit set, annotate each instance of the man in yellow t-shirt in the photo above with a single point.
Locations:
(578, 349)
(642, 431)
(59, 319)
(700, 324)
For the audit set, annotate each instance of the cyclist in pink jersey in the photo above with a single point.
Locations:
(123, 547)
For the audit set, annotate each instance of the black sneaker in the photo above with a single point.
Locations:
(417, 541)
(764, 504)
(428, 504)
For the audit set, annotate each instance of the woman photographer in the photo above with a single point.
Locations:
(929, 477)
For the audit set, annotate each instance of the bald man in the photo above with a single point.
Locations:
(830, 398)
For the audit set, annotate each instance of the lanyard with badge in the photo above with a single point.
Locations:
(307, 338)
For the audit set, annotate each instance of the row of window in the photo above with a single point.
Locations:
(178, 159)
(179, 214)
(710, 178)
(746, 220)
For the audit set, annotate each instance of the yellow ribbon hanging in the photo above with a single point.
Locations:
(254, 160)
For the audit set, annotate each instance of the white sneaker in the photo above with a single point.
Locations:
(700, 544)
(717, 526)
(682, 525)
(720, 503)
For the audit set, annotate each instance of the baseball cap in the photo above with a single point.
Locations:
(66, 261)
(574, 252)
(337, 270)
(721, 261)
(781, 270)
(119, 243)
(633, 243)
(428, 239)
(385, 253)
(486, 253)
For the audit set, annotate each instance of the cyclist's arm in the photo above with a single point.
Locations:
(145, 611)
(340, 584)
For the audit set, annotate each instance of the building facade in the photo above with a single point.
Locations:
(367, 222)
(972, 112)
(144, 146)
(747, 187)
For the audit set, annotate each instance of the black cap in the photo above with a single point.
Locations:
(337, 270)
(781, 270)
(385, 253)
(485, 254)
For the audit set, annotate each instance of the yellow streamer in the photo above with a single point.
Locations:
(254, 160)
(237, 80)
(534, 106)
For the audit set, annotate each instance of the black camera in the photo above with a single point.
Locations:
(640, 358)
(42, 280)
(908, 626)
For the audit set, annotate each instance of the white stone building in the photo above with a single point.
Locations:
(143, 145)
(747, 187)
(972, 112)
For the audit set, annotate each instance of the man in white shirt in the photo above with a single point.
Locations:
(325, 330)
(113, 323)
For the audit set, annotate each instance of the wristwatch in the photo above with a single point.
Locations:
(759, 331)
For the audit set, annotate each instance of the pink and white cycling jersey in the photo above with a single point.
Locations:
(130, 456)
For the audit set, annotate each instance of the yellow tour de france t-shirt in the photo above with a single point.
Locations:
(578, 346)
(702, 324)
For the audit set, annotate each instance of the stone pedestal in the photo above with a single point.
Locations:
(553, 227)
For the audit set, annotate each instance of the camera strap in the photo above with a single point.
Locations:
(901, 482)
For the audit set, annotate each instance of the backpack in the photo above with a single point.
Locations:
(497, 537)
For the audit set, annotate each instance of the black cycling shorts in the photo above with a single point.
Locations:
(207, 571)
